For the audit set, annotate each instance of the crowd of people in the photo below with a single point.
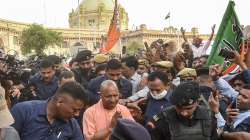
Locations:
(162, 94)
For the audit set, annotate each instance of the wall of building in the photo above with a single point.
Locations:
(10, 32)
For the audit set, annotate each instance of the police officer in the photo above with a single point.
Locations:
(187, 74)
(143, 66)
(101, 59)
(186, 119)
(166, 67)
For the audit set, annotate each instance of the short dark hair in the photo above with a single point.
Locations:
(159, 75)
(131, 61)
(240, 77)
(73, 89)
(66, 75)
(72, 61)
(100, 67)
(184, 93)
(114, 64)
(46, 63)
(54, 59)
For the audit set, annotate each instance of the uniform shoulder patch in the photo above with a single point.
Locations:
(156, 118)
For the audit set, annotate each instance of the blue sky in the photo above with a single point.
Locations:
(186, 13)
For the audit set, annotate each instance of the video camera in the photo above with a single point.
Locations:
(13, 68)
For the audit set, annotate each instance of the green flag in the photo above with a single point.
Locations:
(229, 37)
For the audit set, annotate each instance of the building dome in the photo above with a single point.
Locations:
(96, 15)
(93, 5)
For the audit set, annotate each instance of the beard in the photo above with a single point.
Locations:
(85, 71)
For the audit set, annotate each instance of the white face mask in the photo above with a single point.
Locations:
(159, 96)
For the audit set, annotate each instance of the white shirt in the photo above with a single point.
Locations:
(197, 52)
(140, 94)
(135, 80)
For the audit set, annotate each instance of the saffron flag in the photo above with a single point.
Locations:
(229, 37)
(113, 38)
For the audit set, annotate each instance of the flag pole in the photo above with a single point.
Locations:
(169, 21)
(120, 42)
(168, 18)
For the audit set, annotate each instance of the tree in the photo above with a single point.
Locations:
(38, 38)
(133, 48)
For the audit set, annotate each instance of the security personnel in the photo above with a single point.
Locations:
(101, 59)
(85, 72)
(187, 74)
(166, 67)
(51, 119)
(45, 81)
(186, 119)
(143, 67)
(113, 72)
(159, 94)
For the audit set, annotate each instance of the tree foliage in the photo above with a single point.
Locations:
(37, 38)
(133, 48)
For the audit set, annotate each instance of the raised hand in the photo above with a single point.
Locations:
(212, 34)
(215, 71)
(232, 113)
(183, 34)
(114, 119)
(237, 58)
(214, 102)
(213, 27)
(182, 30)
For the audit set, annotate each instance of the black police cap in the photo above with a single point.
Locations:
(84, 55)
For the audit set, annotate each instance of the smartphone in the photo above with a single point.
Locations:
(214, 94)
(226, 54)
(234, 104)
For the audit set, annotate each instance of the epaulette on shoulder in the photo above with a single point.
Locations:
(162, 115)
(157, 117)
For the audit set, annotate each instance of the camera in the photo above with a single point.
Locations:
(14, 69)
(226, 54)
